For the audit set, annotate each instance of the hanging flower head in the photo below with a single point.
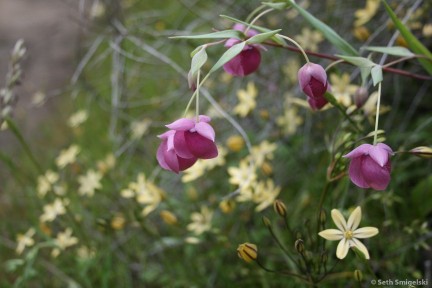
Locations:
(187, 141)
(348, 232)
(248, 60)
(313, 82)
(370, 166)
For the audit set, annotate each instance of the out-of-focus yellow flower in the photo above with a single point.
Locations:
(342, 90)
(235, 143)
(67, 156)
(168, 217)
(265, 194)
(46, 182)
(289, 121)
(78, 118)
(227, 206)
(89, 183)
(267, 168)
(201, 221)
(225, 78)
(85, 253)
(361, 33)
(118, 222)
(290, 69)
(365, 15)
(192, 240)
(25, 240)
(51, 211)
(97, 10)
(400, 40)
(427, 30)
(244, 175)
(309, 39)
(63, 240)
(39, 98)
(246, 100)
(139, 128)
(248, 252)
(106, 164)
(263, 151)
(202, 166)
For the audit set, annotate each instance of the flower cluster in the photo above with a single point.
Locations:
(187, 141)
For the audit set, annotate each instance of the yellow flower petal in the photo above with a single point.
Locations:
(354, 219)
(339, 219)
(331, 234)
(361, 247)
(365, 232)
(342, 249)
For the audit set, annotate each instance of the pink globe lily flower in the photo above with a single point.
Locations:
(313, 82)
(187, 141)
(370, 166)
(248, 60)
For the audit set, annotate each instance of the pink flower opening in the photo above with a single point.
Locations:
(187, 141)
(370, 166)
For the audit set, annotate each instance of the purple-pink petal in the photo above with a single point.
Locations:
(376, 176)
(182, 124)
(181, 147)
(379, 155)
(186, 163)
(160, 156)
(231, 42)
(359, 151)
(385, 147)
(317, 103)
(205, 130)
(200, 146)
(356, 173)
(204, 118)
(244, 63)
(171, 160)
(166, 134)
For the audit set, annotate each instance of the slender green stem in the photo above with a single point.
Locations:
(259, 8)
(377, 114)
(280, 244)
(14, 129)
(334, 64)
(330, 98)
(289, 273)
(194, 94)
(256, 19)
(296, 44)
(320, 205)
(197, 96)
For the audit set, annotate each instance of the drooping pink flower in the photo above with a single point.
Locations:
(370, 166)
(313, 82)
(187, 141)
(248, 60)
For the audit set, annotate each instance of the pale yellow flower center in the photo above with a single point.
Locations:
(348, 234)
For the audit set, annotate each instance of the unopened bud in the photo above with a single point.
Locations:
(422, 151)
(266, 221)
(323, 217)
(248, 252)
(280, 208)
(360, 96)
(227, 206)
(358, 275)
(168, 217)
(299, 246)
(235, 143)
(267, 168)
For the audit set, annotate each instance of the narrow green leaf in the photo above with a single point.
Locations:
(415, 45)
(275, 38)
(365, 72)
(198, 60)
(358, 61)
(377, 75)
(215, 35)
(259, 38)
(228, 55)
(328, 32)
(276, 5)
(395, 50)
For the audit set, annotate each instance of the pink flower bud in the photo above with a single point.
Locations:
(187, 141)
(313, 80)
(370, 166)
